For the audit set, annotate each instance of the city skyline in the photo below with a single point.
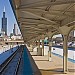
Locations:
(9, 14)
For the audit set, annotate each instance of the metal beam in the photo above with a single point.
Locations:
(38, 16)
(51, 12)
(40, 19)
(46, 3)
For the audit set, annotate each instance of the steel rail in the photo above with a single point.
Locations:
(6, 63)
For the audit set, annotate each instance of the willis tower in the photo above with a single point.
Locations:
(4, 23)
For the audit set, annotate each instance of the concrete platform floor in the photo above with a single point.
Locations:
(54, 67)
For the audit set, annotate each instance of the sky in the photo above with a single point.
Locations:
(9, 14)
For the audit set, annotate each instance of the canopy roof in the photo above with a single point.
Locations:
(38, 17)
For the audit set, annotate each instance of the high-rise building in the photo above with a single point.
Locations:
(15, 30)
(4, 23)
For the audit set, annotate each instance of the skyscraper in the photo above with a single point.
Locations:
(4, 23)
(15, 30)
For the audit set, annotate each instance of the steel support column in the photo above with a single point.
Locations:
(49, 52)
(42, 47)
(65, 53)
(39, 50)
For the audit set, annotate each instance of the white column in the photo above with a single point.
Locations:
(38, 43)
(64, 30)
(43, 47)
(65, 53)
(31, 47)
(49, 52)
(39, 50)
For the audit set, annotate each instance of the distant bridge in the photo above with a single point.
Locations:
(15, 41)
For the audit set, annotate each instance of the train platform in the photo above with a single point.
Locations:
(28, 63)
(54, 67)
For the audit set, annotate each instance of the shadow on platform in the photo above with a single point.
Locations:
(56, 71)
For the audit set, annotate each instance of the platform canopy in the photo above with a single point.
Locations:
(38, 17)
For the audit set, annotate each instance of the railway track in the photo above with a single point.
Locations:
(11, 65)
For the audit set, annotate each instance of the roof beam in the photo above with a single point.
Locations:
(46, 3)
(27, 12)
(33, 21)
(30, 22)
(67, 21)
(51, 12)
